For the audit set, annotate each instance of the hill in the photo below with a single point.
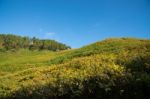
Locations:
(110, 69)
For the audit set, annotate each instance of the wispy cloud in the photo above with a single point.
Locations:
(49, 34)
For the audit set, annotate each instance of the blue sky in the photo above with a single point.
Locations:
(76, 22)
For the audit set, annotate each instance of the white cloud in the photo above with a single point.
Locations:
(51, 36)
(50, 33)
(57, 39)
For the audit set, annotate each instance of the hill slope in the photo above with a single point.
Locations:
(110, 69)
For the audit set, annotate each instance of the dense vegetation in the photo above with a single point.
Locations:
(110, 69)
(13, 42)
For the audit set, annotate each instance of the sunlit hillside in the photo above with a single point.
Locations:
(116, 68)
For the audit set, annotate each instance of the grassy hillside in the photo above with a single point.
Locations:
(109, 69)
(11, 62)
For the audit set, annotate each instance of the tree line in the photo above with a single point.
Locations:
(14, 42)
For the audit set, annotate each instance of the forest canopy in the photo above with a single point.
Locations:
(14, 42)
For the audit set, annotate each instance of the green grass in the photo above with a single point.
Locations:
(11, 62)
(113, 45)
(110, 69)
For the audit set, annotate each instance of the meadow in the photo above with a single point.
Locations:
(110, 69)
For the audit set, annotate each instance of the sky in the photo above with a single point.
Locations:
(76, 22)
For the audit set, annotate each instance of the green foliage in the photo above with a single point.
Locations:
(13, 42)
(111, 69)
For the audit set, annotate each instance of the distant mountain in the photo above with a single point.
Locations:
(14, 42)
